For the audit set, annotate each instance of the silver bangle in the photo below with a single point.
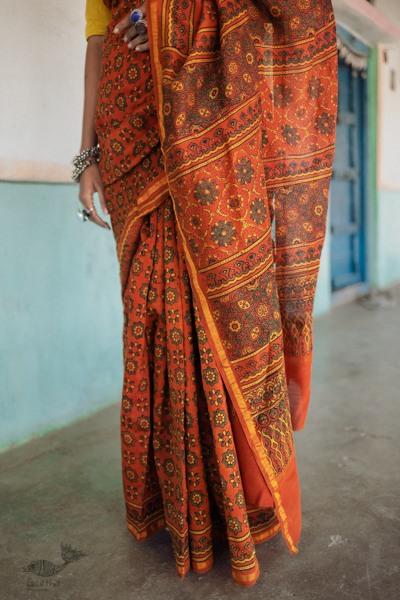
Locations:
(83, 160)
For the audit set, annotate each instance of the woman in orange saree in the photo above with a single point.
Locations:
(216, 152)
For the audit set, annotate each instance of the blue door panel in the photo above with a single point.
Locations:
(347, 189)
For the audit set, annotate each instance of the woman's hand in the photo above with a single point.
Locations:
(89, 183)
(140, 42)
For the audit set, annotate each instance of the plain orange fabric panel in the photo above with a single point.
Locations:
(298, 374)
(255, 488)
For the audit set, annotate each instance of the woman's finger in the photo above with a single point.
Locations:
(88, 203)
(96, 219)
(143, 47)
(100, 193)
(99, 188)
(138, 41)
(130, 34)
(122, 25)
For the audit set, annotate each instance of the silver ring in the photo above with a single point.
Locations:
(136, 16)
(141, 27)
(84, 214)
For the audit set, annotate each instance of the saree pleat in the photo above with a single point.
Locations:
(217, 181)
(176, 432)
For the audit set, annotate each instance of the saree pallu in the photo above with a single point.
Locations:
(217, 158)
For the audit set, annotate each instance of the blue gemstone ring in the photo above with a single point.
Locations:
(136, 16)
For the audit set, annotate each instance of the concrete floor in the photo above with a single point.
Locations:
(66, 487)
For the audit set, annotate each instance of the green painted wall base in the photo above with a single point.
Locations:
(60, 313)
(323, 296)
(388, 239)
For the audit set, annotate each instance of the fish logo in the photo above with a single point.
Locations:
(45, 568)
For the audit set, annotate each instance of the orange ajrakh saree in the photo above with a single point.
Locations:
(216, 154)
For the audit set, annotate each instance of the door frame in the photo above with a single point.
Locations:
(353, 291)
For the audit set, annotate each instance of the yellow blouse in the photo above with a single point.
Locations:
(97, 18)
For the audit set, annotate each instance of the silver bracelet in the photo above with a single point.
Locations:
(83, 160)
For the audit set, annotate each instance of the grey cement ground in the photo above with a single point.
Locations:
(66, 487)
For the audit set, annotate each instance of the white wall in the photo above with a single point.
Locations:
(388, 155)
(42, 47)
(390, 8)
(372, 23)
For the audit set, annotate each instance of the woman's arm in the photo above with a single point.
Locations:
(90, 180)
(92, 76)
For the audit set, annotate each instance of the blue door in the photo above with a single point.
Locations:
(348, 183)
